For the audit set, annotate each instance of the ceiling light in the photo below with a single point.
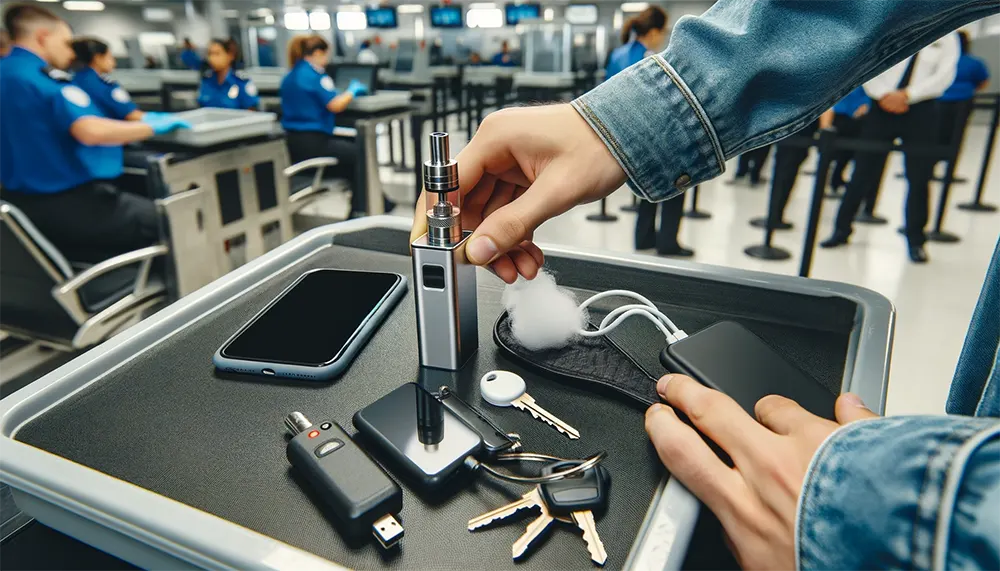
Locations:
(348, 21)
(484, 18)
(157, 14)
(634, 6)
(83, 5)
(349, 8)
(319, 21)
(549, 15)
(296, 21)
(482, 5)
(410, 8)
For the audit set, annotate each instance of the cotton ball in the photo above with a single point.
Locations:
(542, 315)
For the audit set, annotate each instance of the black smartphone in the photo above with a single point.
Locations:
(415, 433)
(729, 358)
(315, 328)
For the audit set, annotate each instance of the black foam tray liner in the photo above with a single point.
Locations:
(168, 423)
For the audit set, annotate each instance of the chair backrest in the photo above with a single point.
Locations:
(30, 266)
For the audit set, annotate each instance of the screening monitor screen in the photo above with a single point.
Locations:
(345, 73)
(517, 12)
(446, 16)
(381, 17)
(581, 14)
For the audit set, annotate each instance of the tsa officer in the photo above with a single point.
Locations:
(58, 152)
(221, 86)
(309, 105)
(94, 76)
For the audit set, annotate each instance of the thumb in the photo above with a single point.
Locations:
(514, 223)
(850, 407)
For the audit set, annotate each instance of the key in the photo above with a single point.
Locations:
(577, 497)
(536, 529)
(504, 388)
(530, 500)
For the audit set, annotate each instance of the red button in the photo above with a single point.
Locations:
(313, 433)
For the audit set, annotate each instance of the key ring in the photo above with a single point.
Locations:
(582, 466)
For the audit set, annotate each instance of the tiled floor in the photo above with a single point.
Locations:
(934, 301)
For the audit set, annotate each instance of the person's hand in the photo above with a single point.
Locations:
(523, 167)
(755, 500)
(164, 122)
(356, 88)
(826, 119)
(861, 111)
(896, 102)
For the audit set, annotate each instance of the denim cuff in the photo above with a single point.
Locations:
(656, 129)
(881, 493)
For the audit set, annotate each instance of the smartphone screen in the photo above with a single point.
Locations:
(313, 322)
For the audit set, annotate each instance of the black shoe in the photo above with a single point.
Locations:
(918, 255)
(834, 241)
(645, 246)
(866, 218)
(677, 251)
(738, 179)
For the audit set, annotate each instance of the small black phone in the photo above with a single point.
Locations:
(415, 433)
(316, 327)
(729, 358)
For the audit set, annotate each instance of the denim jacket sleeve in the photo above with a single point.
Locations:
(903, 493)
(749, 72)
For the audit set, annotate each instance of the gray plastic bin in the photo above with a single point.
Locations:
(212, 126)
(140, 449)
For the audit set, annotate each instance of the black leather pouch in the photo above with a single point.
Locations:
(595, 361)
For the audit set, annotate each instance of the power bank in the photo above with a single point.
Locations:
(729, 358)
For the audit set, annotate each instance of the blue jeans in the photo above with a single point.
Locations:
(902, 492)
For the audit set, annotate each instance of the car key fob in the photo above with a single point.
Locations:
(579, 492)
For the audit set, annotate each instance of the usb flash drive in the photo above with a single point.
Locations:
(360, 494)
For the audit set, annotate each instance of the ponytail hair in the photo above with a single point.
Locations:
(304, 46)
(86, 49)
(652, 18)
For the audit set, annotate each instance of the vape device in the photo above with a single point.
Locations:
(445, 282)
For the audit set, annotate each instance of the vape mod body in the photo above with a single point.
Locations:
(444, 280)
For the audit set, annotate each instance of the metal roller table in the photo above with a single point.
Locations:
(139, 448)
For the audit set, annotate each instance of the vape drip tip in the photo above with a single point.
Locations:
(444, 224)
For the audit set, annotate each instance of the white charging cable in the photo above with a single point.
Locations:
(618, 315)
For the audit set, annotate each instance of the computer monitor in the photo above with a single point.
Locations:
(517, 12)
(383, 17)
(446, 16)
(347, 72)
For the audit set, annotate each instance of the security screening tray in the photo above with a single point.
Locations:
(212, 126)
(139, 448)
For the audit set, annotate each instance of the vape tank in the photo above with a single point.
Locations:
(444, 280)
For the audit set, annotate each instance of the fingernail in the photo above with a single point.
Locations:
(853, 400)
(482, 250)
(657, 407)
(661, 385)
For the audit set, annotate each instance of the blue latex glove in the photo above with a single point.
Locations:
(163, 123)
(357, 88)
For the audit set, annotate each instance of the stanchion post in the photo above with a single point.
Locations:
(603, 215)
(694, 212)
(633, 207)
(938, 234)
(827, 138)
(977, 204)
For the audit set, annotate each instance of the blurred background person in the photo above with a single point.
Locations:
(189, 55)
(222, 85)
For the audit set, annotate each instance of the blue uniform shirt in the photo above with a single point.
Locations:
(237, 91)
(850, 104)
(110, 98)
(624, 56)
(191, 59)
(305, 93)
(499, 60)
(37, 152)
(970, 73)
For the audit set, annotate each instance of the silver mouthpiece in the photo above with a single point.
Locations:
(440, 149)
(297, 422)
(441, 172)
